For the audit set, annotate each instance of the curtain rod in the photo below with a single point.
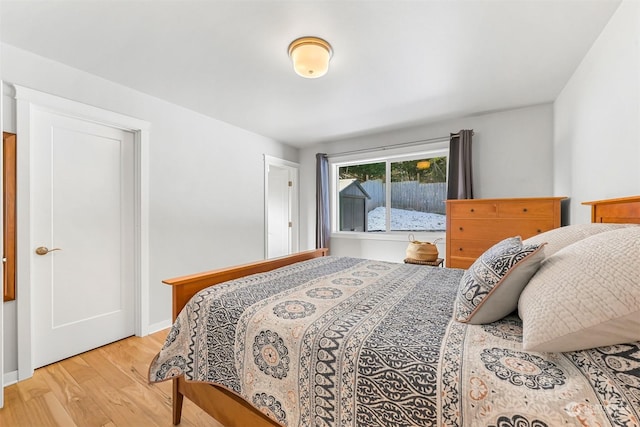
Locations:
(402, 144)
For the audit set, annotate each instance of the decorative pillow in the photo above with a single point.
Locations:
(586, 295)
(490, 288)
(561, 237)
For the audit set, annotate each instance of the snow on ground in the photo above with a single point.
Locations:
(405, 220)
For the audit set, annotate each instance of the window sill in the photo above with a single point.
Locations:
(394, 236)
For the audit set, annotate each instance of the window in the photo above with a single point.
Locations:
(400, 193)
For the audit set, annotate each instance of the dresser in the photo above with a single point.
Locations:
(474, 225)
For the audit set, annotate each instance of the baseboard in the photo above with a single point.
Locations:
(159, 326)
(10, 378)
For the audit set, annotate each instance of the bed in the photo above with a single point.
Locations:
(318, 340)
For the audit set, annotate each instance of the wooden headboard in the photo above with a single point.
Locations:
(625, 210)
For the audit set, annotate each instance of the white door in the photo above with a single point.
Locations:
(279, 212)
(281, 207)
(82, 187)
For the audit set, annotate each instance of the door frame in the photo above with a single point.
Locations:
(28, 100)
(294, 168)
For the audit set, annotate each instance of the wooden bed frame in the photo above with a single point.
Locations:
(231, 410)
(226, 407)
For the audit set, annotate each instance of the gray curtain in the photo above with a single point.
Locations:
(459, 181)
(323, 224)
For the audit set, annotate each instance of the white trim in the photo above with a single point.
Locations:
(26, 101)
(156, 327)
(280, 162)
(392, 236)
(23, 240)
(10, 378)
(294, 169)
(397, 154)
(142, 230)
(387, 198)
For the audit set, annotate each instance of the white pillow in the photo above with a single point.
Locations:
(561, 237)
(490, 288)
(586, 295)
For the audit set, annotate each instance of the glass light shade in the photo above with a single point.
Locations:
(310, 56)
(423, 164)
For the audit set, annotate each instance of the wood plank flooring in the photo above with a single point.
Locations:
(105, 387)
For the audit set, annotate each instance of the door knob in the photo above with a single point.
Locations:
(43, 250)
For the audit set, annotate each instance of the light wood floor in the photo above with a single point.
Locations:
(103, 387)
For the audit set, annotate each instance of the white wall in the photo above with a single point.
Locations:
(206, 178)
(512, 157)
(597, 118)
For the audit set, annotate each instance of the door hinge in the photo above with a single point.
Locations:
(290, 224)
(290, 183)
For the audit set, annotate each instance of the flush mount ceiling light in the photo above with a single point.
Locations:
(310, 56)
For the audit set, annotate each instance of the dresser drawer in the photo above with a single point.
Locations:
(473, 210)
(526, 209)
(494, 231)
(469, 248)
(460, 262)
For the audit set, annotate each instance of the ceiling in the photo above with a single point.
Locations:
(395, 64)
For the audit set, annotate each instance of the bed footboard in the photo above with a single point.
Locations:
(222, 405)
(187, 286)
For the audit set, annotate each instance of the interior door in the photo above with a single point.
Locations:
(279, 222)
(82, 190)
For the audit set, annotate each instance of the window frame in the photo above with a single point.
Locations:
(390, 155)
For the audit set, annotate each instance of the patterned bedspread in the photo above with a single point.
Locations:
(340, 341)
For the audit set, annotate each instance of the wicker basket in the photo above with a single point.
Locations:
(421, 251)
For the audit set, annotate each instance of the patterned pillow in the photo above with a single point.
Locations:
(490, 288)
(561, 237)
(586, 295)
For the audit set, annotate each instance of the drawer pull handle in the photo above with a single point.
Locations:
(460, 249)
(524, 210)
(539, 231)
(461, 228)
(472, 210)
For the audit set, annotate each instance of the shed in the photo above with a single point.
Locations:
(353, 205)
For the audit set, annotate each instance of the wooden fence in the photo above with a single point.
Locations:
(410, 195)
